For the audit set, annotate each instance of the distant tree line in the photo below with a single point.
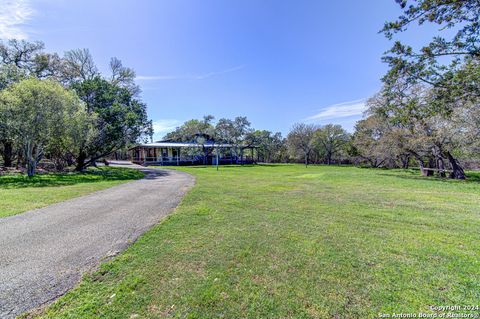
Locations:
(63, 109)
(305, 143)
(268, 147)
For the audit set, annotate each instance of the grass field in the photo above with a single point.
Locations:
(19, 193)
(295, 242)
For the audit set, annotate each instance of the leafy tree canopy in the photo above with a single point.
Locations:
(39, 114)
(448, 63)
(121, 118)
(191, 129)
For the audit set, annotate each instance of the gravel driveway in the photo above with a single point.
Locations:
(44, 252)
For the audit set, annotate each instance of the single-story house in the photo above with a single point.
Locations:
(189, 153)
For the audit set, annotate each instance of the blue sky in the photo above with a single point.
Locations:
(276, 62)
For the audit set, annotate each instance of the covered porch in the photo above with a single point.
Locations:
(176, 154)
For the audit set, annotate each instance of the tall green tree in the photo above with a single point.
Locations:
(410, 122)
(191, 129)
(38, 114)
(447, 67)
(269, 146)
(377, 142)
(301, 140)
(450, 61)
(20, 59)
(237, 132)
(121, 119)
(330, 140)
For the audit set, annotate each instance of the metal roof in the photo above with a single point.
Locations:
(180, 144)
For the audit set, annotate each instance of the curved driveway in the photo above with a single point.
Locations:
(44, 252)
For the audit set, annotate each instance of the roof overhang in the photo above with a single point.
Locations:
(182, 145)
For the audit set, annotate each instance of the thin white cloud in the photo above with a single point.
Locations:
(14, 14)
(188, 76)
(164, 126)
(340, 110)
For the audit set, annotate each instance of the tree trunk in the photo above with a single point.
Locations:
(7, 153)
(406, 164)
(441, 166)
(457, 170)
(306, 159)
(20, 159)
(31, 160)
(31, 165)
(431, 164)
(81, 161)
(405, 159)
(423, 171)
(69, 159)
(59, 165)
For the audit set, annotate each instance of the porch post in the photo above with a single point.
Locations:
(178, 156)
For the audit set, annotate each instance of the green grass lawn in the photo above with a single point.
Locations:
(295, 242)
(19, 193)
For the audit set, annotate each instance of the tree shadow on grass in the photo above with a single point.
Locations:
(257, 165)
(472, 177)
(156, 174)
(65, 179)
(205, 166)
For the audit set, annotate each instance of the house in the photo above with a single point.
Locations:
(190, 153)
